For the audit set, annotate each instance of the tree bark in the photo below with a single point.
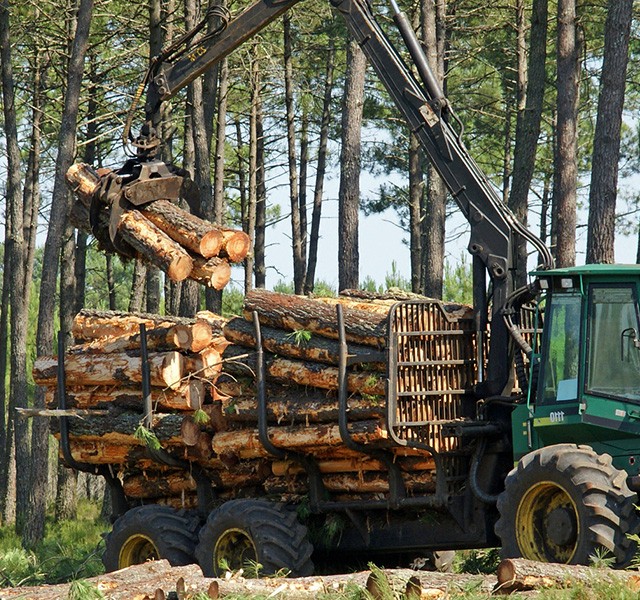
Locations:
(300, 313)
(606, 143)
(15, 248)
(433, 226)
(566, 164)
(349, 190)
(294, 198)
(528, 128)
(321, 167)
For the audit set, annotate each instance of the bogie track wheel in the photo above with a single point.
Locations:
(254, 535)
(567, 504)
(150, 533)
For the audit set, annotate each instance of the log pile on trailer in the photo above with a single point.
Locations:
(205, 404)
(160, 233)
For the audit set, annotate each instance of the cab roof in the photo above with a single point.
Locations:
(594, 269)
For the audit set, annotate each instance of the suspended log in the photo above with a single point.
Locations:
(284, 311)
(213, 272)
(235, 245)
(94, 324)
(294, 344)
(166, 369)
(189, 396)
(245, 443)
(189, 231)
(154, 246)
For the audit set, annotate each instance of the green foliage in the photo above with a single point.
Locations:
(200, 417)
(300, 337)
(232, 301)
(458, 282)
(70, 550)
(477, 561)
(83, 590)
(396, 280)
(147, 437)
(18, 567)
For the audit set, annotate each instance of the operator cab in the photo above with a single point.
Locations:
(587, 388)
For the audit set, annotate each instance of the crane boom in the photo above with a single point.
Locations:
(425, 109)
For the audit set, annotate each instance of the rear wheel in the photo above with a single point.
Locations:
(254, 534)
(567, 504)
(150, 533)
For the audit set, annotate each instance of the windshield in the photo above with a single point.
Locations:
(614, 357)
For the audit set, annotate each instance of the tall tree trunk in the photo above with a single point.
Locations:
(606, 143)
(66, 503)
(416, 201)
(321, 168)
(213, 298)
(528, 127)
(34, 527)
(252, 196)
(111, 282)
(433, 31)
(15, 247)
(302, 193)
(296, 233)
(566, 160)
(349, 190)
(6, 458)
(259, 243)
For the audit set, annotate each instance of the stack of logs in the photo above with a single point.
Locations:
(205, 404)
(160, 233)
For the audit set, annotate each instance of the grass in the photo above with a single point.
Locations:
(70, 550)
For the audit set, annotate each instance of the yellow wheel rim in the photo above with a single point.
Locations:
(137, 550)
(547, 524)
(234, 550)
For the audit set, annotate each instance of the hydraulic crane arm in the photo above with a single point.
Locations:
(424, 107)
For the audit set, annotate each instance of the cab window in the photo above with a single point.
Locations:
(559, 377)
(613, 367)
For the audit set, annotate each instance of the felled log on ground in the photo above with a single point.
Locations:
(93, 324)
(245, 443)
(189, 396)
(166, 369)
(284, 311)
(519, 574)
(292, 344)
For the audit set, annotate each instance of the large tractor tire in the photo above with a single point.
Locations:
(567, 504)
(243, 534)
(150, 533)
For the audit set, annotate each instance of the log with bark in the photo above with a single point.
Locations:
(96, 324)
(297, 344)
(245, 443)
(518, 574)
(189, 396)
(294, 313)
(161, 233)
(166, 369)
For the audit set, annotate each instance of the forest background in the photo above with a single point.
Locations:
(278, 138)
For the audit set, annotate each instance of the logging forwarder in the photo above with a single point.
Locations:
(559, 395)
